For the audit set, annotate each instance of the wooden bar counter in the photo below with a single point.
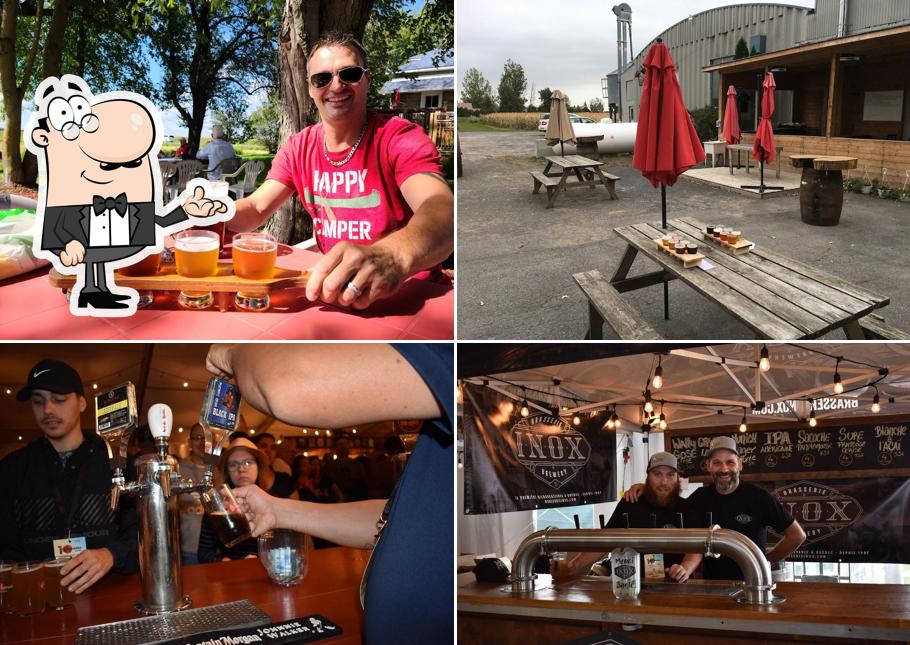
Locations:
(812, 612)
(331, 588)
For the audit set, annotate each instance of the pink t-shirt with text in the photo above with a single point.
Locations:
(359, 202)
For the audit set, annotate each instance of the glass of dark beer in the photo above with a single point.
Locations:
(57, 595)
(6, 571)
(227, 518)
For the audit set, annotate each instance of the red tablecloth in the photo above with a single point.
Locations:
(30, 308)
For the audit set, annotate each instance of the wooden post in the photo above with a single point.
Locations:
(832, 75)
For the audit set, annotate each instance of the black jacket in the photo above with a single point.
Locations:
(34, 485)
(63, 224)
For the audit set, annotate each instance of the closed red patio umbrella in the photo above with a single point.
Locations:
(666, 143)
(732, 133)
(764, 148)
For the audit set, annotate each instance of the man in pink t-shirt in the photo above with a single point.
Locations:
(373, 185)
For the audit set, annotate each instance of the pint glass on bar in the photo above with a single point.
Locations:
(196, 254)
(254, 257)
(57, 595)
(6, 570)
(27, 593)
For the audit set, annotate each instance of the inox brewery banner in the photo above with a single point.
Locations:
(542, 461)
(851, 520)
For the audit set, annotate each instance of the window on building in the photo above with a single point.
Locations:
(757, 43)
(431, 100)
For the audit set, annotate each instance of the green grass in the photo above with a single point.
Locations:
(465, 125)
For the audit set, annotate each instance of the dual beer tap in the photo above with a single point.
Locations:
(158, 484)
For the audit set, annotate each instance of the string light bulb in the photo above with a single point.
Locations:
(812, 420)
(838, 386)
(742, 424)
(611, 424)
(876, 406)
(524, 409)
(663, 421)
(658, 381)
(649, 407)
(764, 362)
(576, 420)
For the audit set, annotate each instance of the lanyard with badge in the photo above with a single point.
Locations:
(70, 544)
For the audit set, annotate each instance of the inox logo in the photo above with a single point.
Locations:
(554, 447)
(550, 449)
(831, 511)
(821, 510)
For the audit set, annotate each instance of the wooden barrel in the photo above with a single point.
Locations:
(821, 196)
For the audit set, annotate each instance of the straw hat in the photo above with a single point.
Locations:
(250, 447)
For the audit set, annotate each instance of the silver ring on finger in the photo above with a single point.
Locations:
(353, 287)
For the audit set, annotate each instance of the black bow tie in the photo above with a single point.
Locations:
(118, 203)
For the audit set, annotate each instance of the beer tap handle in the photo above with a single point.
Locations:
(577, 521)
(115, 496)
(602, 522)
(161, 420)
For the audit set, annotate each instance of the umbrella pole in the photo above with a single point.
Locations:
(562, 150)
(663, 223)
(761, 188)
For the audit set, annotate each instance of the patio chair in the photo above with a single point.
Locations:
(168, 170)
(250, 171)
(229, 165)
(186, 170)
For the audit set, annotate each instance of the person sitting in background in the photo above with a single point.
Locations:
(190, 504)
(183, 150)
(243, 464)
(285, 453)
(308, 480)
(216, 151)
(281, 483)
(348, 474)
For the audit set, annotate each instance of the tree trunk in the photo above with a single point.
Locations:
(53, 46)
(304, 21)
(12, 101)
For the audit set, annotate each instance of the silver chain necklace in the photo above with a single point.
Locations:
(325, 148)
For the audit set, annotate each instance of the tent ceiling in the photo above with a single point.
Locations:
(699, 385)
(167, 365)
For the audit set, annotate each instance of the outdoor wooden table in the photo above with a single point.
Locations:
(331, 588)
(587, 146)
(569, 165)
(30, 308)
(747, 147)
(813, 612)
(773, 295)
(821, 192)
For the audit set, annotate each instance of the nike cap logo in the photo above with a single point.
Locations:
(37, 374)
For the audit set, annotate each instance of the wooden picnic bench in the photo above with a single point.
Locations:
(606, 306)
(775, 296)
(567, 166)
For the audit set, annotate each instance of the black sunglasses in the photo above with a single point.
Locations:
(349, 75)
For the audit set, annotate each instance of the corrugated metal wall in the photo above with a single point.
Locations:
(713, 34)
(862, 16)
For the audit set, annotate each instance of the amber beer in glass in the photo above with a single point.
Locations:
(254, 257)
(6, 570)
(56, 594)
(27, 593)
(144, 267)
(196, 254)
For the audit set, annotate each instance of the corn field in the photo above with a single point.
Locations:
(525, 120)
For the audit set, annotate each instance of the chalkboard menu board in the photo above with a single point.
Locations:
(844, 448)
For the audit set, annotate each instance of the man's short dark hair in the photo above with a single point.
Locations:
(262, 436)
(339, 39)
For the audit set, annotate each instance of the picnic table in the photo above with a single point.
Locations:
(747, 147)
(777, 297)
(586, 171)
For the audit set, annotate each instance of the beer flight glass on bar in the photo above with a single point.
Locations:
(254, 256)
(196, 255)
(145, 267)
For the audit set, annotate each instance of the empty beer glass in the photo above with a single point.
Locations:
(283, 553)
(196, 255)
(227, 518)
(6, 570)
(254, 257)
(56, 594)
(26, 595)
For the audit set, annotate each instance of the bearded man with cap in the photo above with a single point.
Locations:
(741, 506)
(659, 506)
(55, 493)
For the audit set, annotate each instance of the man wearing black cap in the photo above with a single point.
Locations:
(55, 492)
(740, 506)
(660, 506)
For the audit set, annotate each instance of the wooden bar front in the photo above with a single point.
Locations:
(812, 612)
(331, 588)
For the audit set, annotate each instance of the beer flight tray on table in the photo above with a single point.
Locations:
(166, 279)
(737, 248)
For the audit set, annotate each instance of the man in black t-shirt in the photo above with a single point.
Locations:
(743, 507)
(660, 506)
